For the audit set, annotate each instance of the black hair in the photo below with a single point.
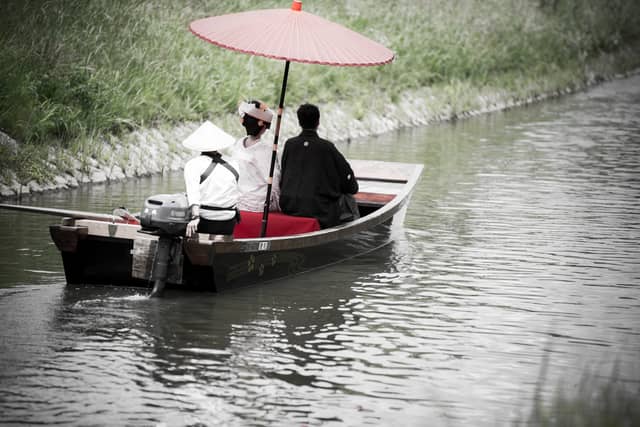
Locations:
(308, 116)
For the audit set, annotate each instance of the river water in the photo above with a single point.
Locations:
(518, 272)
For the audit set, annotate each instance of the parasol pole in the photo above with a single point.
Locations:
(274, 153)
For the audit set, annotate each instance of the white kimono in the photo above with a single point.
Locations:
(254, 163)
(219, 190)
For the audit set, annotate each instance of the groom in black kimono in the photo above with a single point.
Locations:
(314, 173)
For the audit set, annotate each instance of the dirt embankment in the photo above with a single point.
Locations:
(154, 151)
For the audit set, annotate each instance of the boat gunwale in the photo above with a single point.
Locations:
(217, 244)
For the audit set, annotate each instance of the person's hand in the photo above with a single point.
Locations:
(192, 227)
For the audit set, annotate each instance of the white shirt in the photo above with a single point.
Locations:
(255, 162)
(220, 189)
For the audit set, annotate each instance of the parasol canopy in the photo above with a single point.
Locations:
(291, 35)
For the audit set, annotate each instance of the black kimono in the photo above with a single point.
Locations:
(314, 175)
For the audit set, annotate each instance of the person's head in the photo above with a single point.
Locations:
(308, 116)
(255, 116)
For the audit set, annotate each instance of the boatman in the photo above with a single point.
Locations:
(211, 181)
(315, 176)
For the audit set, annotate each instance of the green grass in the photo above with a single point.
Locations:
(74, 69)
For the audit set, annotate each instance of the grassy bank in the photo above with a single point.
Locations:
(74, 71)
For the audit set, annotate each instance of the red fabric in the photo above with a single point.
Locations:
(278, 224)
(292, 35)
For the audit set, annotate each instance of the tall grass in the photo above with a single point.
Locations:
(73, 68)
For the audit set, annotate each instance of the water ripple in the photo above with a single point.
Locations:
(518, 270)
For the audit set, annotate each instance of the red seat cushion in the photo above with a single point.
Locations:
(278, 224)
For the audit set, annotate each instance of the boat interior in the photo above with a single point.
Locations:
(379, 183)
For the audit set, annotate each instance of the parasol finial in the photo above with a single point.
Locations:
(296, 5)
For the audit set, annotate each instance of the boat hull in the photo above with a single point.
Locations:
(97, 251)
(94, 259)
(233, 270)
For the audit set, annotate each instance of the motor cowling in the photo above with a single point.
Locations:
(166, 214)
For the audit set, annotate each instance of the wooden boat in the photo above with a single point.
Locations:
(112, 250)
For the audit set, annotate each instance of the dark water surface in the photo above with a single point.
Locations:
(519, 270)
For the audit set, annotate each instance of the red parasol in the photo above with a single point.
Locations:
(290, 35)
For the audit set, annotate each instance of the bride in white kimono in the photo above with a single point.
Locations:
(254, 158)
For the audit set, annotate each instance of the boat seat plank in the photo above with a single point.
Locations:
(373, 199)
(375, 170)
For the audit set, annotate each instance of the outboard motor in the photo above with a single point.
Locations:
(167, 216)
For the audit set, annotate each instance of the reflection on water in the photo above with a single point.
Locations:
(521, 245)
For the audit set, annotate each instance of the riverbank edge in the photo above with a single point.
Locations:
(157, 150)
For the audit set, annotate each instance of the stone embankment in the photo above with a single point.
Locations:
(153, 151)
